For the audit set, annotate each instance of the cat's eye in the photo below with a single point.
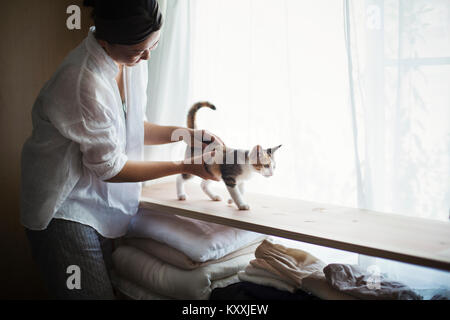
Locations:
(266, 166)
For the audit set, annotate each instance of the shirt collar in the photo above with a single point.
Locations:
(105, 61)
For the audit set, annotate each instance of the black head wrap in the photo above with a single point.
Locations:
(125, 21)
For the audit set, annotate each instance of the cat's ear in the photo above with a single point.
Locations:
(256, 154)
(271, 151)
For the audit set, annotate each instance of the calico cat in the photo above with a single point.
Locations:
(231, 165)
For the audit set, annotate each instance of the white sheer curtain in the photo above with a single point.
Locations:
(170, 77)
(399, 55)
(278, 72)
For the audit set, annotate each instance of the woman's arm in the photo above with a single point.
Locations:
(155, 134)
(138, 171)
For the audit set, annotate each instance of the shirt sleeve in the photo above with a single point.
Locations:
(81, 107)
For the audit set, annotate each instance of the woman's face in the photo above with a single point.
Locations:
(130, 55)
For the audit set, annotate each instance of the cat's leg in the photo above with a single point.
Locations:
(241, 190)
(237, 197)
(181, 179)
(205, 187)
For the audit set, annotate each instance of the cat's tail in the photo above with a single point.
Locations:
(193, 111)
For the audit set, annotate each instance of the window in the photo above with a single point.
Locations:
(356, 91)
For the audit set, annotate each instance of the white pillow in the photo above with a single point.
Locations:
(201, 241)
(133, 291)
(166, 280)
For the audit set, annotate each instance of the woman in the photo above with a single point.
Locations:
(82, 165)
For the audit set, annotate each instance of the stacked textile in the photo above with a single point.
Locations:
(166, 256)
(289, 269)
(352, 280)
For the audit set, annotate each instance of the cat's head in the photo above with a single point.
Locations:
(263, 160)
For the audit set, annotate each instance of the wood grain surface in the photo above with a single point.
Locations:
(406, 239)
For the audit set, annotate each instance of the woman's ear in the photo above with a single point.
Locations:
(106, 46)
(102, 43)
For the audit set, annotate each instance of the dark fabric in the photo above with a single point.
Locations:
(251, 291)
(352, 280)
(65, 243)
(129, 30)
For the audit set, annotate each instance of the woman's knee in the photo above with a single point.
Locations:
(71, 261)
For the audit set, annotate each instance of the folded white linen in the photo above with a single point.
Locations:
(282, 267)
(200, 241)
(253, 271)
(288, 263)
(170, 281)
(134, 291)
(316, 285)
(177, 258)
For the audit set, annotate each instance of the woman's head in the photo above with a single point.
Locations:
(127, 29)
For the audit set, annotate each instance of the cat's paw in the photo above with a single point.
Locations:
(216, 198)
(182, 197)
(230, 201)
(244, 207)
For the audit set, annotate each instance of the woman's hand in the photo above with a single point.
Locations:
(196, 166)
(204, 137)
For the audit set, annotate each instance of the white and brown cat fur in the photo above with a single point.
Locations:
(233, 173)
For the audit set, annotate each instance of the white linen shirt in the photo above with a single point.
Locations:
(80, 139)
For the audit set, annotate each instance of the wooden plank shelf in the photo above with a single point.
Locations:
(407, 239)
